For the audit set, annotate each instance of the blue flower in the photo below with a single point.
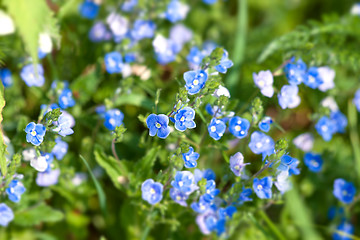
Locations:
(285, 162)
(165, 49)
(176, 11)
(239, 127)
(304, 142)
(282, 182)
(49, 158)
(344, 231)
(128, 5)
(28, 75)
(208, 174)
(5, 76)
(65, 99)
(113, 118)
(151, 191)
(6, 215)
(262, 187)
(119, 26)
(210, 2)
(184, 181)
(265, 124)
(227, 212)
(158, 124)
(264, 81)
(14, 190)
(245, 195)
(195, 56)
(195, 81)
(314, 79)
(35, 133)
(260, 142)
(340, 121)
(326, 128)
(48, 178)
(225, 63)
(63, 126)
(344, 191)
(143, 29)
(99, 32)
(178, 196)
(113, 62)
(130, 57)
(210, 190)
(190, 158)
(237, 164)
(313, 161)
(60, 149)
(216, 128)
(88, 9)
(201, 206)
(288, 97)
(296, 72)
(184, 119)
(356, 100)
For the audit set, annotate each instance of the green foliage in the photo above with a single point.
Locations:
(2, 144)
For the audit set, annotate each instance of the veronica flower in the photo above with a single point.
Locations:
(151, 191)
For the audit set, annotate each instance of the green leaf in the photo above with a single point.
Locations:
(3, 165)
(144, 165)
(86, 85)
(136, 100)
(37, 214)
(354, 135)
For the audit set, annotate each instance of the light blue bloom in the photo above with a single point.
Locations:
(129, 5)
(6, 215)
(190, 158)
(158, 124)
(201, 206)
(228, 212)
(66, 99)
(184, 118)
(143, 29)
(237, 164)
(304, 142)
(165, 49)
(283, 183)
(99, 32)
(184, 181)
(210, 190)
(260, 142)
(296, 72)
(178, 196)
(208, 174)
(356, 100)
(245, 195)
(225, 63)
(88, 9)
(28, 75)
(179, 35)
(60, 149)
(15, 190)
(216, 128)
(195, 81)
(49, 157)
(63, 126)
(113, 62)
(344, 191)
(343, 231)
(285, 162)
(113, 118)
(5, 76)
(314, 79)
(210, 2)
(326, 128)
(195, 56)
(239, 127)
(313, 161)
(151, 191)
(118, 25)
(35, 133)
(264, 81)
(176, 11)
(340, 121)
(288, 97)
(48, 178)
(262, 187)
(265, 124)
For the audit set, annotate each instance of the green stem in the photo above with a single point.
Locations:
(354, 136)
(271, 225)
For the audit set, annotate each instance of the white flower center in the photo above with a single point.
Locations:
(196, 82)
(213, 129)
(324, 128)
(181, 183)
(158, 125)
(33, 132)
(261, 83)
(182, 119)
(259, 145)
(152, 191)
(237, 128)
(112, 121)
(187, 158)
(259, 187)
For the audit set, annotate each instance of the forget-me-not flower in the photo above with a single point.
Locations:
(190, 158)
(265, 124)
(60, 148)
(184, 118)
(225, 63)
(210, 190)
(344, 230)
(5, 77)
(195, 81)
(113, 62)
(6, 215)
(356, 100)
(245, 195)
(66, 99)
(113, 118)
(216, 128)
(89, 9)
(14, 190)
(264, 81)
(344, 191)
(158, 124)
(201, 206)
(313, 161)
(288, 97)
(326, 128)
(143, 29)
(239, 127)
(296, 72)
(28, 75)
(178, 196)
(35, 133)
(48, 178)
(63, 126)
(99, 32)
(260, 142)
(237, 164)
(184, 181)
(262, 187)
(176, 11)
(195, 56)
(304, 141)
(314, 79)
(327, 76)
(151, 191)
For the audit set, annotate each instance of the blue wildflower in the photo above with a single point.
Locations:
(119, 26)
(143, 29)
(60, 149)
(66, 99)
(340, 121)
(184, 181)
(176, 11)
(210, 190)
(208, 174)
(5, 77)
(262, 187)
(225, 63)
(356, 100)
(313, 161)
(344, 191)
(88, 9)
(296, 72)
(210, 2)
(212, 110)
(304, 142)
(195, 56)
(265, 124)
(227, 212)
(314, 79)
(344, 231)
(184, 119)
(48, 178)
(158, 124)
(245, 195)
(326, 128)
(190, 158)
(165, 49)
(285, 162)
(216, 128)
(237, 164)
(282, 182)
(178, 196)
(260, 142)
(195, 81)
(35, 133)
(99, 32)
(130, 57)
(288, 97)
(239, 127)
(28, 75)
(63, 126)
(113, 62)
(6, 215)
(49, 158)
(128, 5)
(264, 81)
(113, 118)
(201, 206)
(151, 191)
(14, 190)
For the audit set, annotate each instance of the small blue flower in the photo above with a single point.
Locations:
(245, 195)
(314, 79)
(195, 81)
(340, 121)
(343, 231)
(212, 110)
(151, 191)
(313, 161)
(184, 181)
(260, 142)
(48, 178)
(304, 142)
(210, 190)
(285, 162)
(143, 29)
(113, 62)
(165, 49)
(49, 157)
(158, 124)
(344, 191)
(35, 133)
(190, 158)
(326, 128)
(227, 212)
(237, 164)
(184, 119)
(99, 32)
(88, 9)
(66, 99)
(176, 11)
(264, 81)
(63, 126)
(356, 100)
(262, 187)
(225, 63)
(130, 57)
(128, 5)
(216, 128)
(296, 72)
(5, 76)
(113, 118)
(265, 124)
(195, 56)
(239, 127)
(208, 174)
(28, 75)
(6, 215)
(178, 196)
(282, 182)
(201, 206)
(288, 97)
(60, 149)
(210, 2)
(14, 191)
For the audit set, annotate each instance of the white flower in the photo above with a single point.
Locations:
(355, 9)
(6, 24)
(221, 91)
(327, 75)
(282, 182)
(117, 24)
(45, 43)
(330, 103)
(39, 163)
(304, 142)
(29, 154)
